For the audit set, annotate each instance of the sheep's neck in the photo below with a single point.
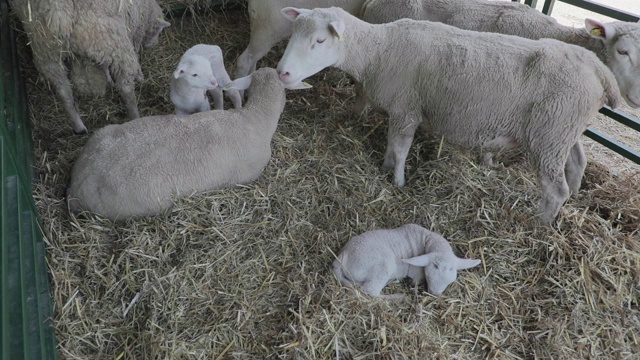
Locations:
(361, 45)
(580, 37)
(264, 104)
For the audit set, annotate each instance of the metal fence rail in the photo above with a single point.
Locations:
(621, 117)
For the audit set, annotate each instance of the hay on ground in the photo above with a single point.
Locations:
(244, 273)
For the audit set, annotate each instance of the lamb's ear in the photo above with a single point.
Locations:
(292, 13)
(422, 260)
(462, 264)
(338, 28)
(599, 30)
(179, 71)
(298, 86)
(242, 83)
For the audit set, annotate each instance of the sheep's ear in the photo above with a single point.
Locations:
(599, 30)
(338, 28)
(242, 83)
(179, 71)
(298, 86)
(462, 264)
(292, 13)
(163, 23)
(422, 260)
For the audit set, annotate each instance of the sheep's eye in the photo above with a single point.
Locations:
(623, 52)
(194, 75)
(320, 41)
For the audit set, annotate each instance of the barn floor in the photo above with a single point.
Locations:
(244, 273)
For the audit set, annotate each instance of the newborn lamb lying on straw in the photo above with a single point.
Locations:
(375, 257)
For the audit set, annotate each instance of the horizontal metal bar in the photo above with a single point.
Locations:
(614, 145)
(621, 117)
(604, 10)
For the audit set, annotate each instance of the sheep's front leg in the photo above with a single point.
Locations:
(361, 102)
(400, 136)
(218, 100)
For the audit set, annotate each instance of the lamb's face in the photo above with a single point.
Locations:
(314, 45)
(196, 71)
(622, 42)
(440, 272)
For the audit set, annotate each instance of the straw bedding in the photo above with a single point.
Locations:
(244, 273)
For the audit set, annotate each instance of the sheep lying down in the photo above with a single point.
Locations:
(139, 167)
(373, 258)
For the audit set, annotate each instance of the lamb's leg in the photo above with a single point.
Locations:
(56, 73)
(235, 98)
(574, 168)
(400, 136)
(218, 100)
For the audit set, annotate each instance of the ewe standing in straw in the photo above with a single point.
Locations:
(201, 68)
(268, 27)
(137, 168)
(617, 43)
(477, 89)
(374, 258)
(103, 34)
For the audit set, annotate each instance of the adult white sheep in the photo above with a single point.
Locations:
(201, 68)
(268, 27)
(617, 43)
(477, 89)
(372, 259)
(108, 33)
(139, 167)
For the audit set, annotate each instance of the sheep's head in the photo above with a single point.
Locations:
(154, 28)
(314, 45)
(441, 269)
(196, 71)
(622, 43)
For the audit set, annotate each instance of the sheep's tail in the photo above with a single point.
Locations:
(612, 94)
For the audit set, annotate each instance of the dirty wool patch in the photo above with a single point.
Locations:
(245, 272)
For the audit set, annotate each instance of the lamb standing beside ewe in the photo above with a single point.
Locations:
(373, 258)
(268, 27)
(201, 68)
(136, 168)
(617, 44)
(108, 33)
(504, 91)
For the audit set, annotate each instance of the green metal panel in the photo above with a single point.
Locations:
(25, 302)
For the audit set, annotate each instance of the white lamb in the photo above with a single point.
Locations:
(106, 34)
(372, 259)
(139, 167)
(268, 27)
(201, 68)
(617, 43)
(477, 89)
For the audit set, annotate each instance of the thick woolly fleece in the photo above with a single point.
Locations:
(139, 167)
(617, 43)
(106, 34)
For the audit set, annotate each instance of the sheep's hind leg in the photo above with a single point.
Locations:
(574, 167)
(399, 139)
(127, 92)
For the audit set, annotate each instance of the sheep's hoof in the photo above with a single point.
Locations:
(398, 182)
